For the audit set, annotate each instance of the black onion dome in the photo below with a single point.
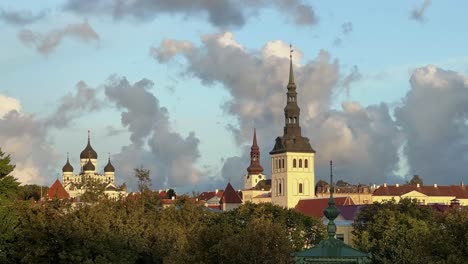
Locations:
(88, 152)
(109, 167)
(89, 166)
(68, 167)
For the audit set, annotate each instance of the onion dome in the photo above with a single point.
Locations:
(109, 167)
(68, 167)
(89, 166)
(88, 152)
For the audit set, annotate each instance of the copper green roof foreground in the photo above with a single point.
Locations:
(331, 250)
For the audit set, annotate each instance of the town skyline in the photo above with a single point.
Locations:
(179, 88)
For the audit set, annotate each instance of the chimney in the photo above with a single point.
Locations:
(397, 185)
(417, 185)
(216, 191)
(435, 185)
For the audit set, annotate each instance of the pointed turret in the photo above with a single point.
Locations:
(255, 167)
(331, 212)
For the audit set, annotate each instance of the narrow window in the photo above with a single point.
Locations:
(300, 187)
(282, 163)
(279, 188)
(300, 163)
(306, 163)
(294, 163)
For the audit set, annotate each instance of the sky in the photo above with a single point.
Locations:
(177, 87)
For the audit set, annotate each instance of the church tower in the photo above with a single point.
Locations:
(292, 157)
(255, 170)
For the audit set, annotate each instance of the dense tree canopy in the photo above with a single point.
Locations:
(406, 232)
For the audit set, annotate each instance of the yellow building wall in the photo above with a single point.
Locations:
(291, 183)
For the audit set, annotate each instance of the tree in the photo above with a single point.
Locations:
(415, 180)
(170, 193)
(8, 183)
(394, 232)
(143, 177)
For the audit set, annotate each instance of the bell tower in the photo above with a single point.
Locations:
(292, 157)
(255, 170)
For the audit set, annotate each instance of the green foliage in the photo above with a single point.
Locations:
(124, 231)
(415, 180)
(8, 184)
(143, 177)
(406, 232)
(31, 192)
(170, 193)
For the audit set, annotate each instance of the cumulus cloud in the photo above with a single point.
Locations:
(21, 17)
(433, 117)
(72, 106)
(8, 104)
(170, 156)
(48, 42)
(25, 138)
(257, 82)
(220, 13)
(418, 12)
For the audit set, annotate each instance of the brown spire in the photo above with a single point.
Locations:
(255, 167)
(291, 73)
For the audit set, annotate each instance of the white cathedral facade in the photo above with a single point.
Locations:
(74, 183)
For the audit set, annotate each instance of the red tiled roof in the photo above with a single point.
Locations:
(57, 191)
(162, 194)
(230, 196)
(205, 196)
(315, 207)
(458, 191)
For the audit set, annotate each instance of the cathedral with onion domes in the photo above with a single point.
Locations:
(74, 182)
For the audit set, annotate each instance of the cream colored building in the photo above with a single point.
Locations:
(432, 194)
(292, 158)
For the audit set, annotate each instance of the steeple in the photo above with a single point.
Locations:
(331, 212)
(291, 73)
(292, 139)
(255, 167)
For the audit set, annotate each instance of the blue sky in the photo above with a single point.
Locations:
(354, 60)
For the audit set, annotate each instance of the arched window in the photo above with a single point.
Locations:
(300, 188)
(282, 163)
(300, 163)
(294, 120)
(279, 189)
(306, 163)
(294, 163)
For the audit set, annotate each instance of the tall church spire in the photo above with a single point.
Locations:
(292, 139)
(255, 167)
